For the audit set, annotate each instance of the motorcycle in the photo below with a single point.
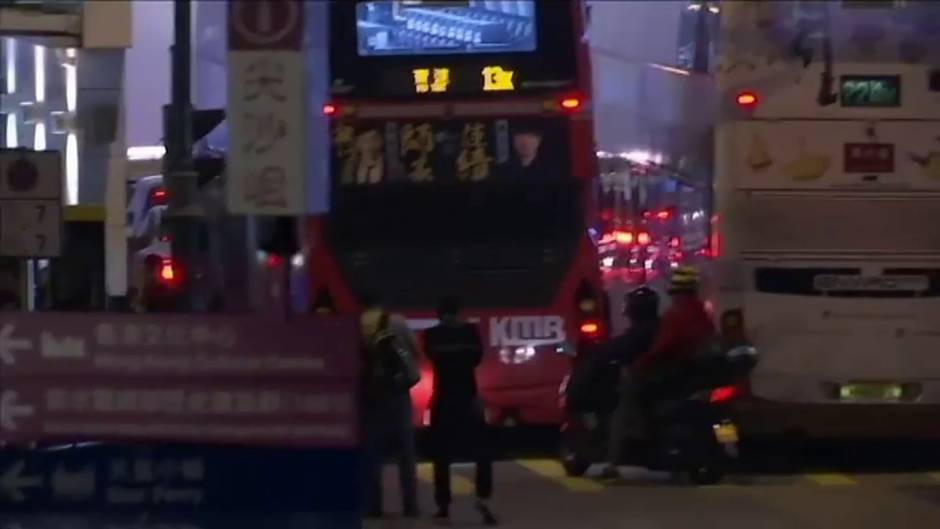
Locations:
(691, 431)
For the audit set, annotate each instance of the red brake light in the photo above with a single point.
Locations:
(663, 215)
(674, 242)
(747, 99)
(167, 272)
(623, 237)
(725, 394)
(275, 261)
(644, 238)
(160, 197)
(590, 329)
(571, 103)
(330, 109)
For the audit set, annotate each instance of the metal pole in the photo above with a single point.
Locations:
(184, 210)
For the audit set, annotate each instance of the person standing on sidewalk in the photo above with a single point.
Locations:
(457, 420)
(390, 353)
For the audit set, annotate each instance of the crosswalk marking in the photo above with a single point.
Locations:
(553, 470)
(458, 484)
(832, 480)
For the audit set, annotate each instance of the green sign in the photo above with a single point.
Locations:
(870, 91)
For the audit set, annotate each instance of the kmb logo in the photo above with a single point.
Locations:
(512, 331)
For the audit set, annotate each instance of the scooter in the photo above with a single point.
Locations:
(691, 429)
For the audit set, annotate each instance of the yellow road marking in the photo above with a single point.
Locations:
(458, 484)
(832, 480)
(553, 470)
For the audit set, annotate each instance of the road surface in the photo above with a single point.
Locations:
(535, 494)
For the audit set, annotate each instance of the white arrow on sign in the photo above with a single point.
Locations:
(9, 344)
(10, 411)
(13, 482)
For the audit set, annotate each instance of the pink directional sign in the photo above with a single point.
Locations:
(99, 344)
(236, 412)
(186, 378)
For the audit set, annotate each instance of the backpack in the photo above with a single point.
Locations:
(398, 369)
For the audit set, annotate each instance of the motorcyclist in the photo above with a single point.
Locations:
(642, 307)
(684, 328)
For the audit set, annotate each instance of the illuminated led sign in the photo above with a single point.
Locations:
(871, 91)
(431, 80)
(496, 79)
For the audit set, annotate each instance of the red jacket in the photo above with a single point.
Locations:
(685, 327)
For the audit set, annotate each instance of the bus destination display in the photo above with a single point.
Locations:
(870, 91)
(403, 27)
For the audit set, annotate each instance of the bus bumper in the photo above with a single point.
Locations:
(760, 418)
(532, 406)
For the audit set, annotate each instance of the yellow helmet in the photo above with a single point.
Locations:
(684, 279)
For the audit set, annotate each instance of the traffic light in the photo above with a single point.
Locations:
(205, 121)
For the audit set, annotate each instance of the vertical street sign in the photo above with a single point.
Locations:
(266, 107)
(30, 203)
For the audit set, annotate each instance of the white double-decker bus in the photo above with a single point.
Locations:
(827, 194)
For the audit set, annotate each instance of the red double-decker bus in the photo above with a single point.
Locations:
(462, 164)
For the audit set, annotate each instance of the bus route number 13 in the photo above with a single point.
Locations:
(496, 79)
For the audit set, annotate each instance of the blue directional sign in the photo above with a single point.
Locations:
(202, 486)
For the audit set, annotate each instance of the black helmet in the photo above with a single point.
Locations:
(642, 304)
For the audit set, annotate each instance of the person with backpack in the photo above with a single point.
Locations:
(389, 371)
(457, 419)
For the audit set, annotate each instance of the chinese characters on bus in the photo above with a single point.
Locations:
(431, 80)
(447, 150)
(417, 144)
(473, 163)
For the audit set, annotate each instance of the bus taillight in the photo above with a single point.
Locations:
(590, 329)
(590, 312)
(571, 103)
(747, 100)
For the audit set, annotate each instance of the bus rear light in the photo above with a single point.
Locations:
(747, 100)
(623, 237)
(587, 305)
(571, 103)
(590, 329)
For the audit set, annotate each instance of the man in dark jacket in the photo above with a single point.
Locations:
(455, 350)
(642, 307)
